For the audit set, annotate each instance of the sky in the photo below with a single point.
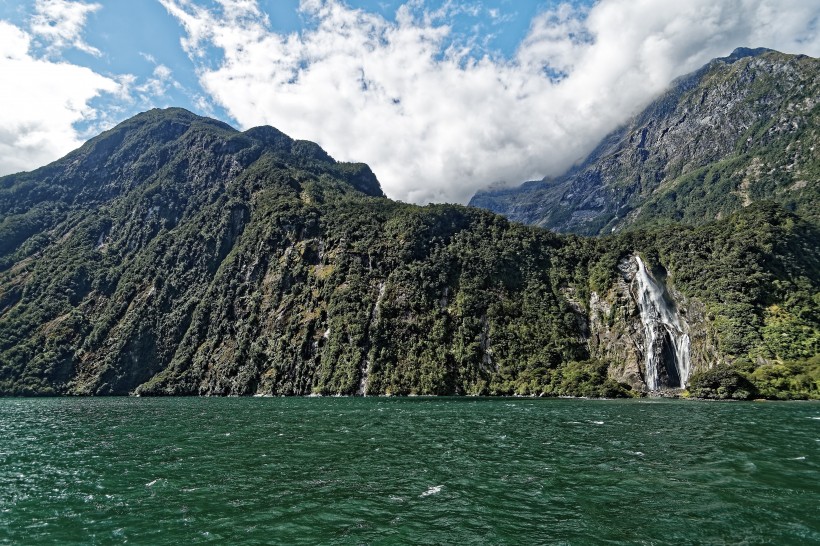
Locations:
(440, 97)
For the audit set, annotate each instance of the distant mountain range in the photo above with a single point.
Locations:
(742, 129)
(175, 255)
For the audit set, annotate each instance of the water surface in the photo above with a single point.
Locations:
(421, 471)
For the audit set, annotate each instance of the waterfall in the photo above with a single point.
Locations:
(364, 372)
(666, 347)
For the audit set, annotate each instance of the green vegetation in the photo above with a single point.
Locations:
(721, 383)
(174, 255)
(788, 380)
(741, 130)
(589, 379)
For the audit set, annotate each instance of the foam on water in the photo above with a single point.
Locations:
(432, 491)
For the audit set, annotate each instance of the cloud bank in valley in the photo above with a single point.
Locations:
(437, 121)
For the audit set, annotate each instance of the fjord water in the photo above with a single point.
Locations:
(412, 470)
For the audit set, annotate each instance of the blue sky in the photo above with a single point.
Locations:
(440, 97)
(135, 36)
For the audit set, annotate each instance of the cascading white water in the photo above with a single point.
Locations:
(666, 346)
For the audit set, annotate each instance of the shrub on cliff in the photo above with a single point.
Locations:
(721, 383)
(793, 380)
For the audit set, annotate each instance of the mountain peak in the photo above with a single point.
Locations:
(172, 114)
(711, 144)
(744, 52)
(172, 146)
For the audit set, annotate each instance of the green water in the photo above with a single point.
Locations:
(394, 471)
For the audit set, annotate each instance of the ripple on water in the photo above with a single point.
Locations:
(424, 471)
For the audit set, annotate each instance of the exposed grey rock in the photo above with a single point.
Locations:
(741, 129)
(618, 333)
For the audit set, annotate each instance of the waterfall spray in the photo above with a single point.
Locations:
(666, 346)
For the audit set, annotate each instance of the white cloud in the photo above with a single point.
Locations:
(60, 24)
(157, 85)
(434, 122)
(41, 101)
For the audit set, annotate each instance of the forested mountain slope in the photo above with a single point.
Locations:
(176, 255)
(742, 129)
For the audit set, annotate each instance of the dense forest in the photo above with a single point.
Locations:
(175, 255)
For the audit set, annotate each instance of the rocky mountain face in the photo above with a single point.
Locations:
(652, 333)
(176, 255)
(742, 129)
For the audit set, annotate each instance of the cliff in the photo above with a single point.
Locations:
(742, 129)
(176, 255)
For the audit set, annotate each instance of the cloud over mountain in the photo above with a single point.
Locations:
(42, 100)
(436, 121)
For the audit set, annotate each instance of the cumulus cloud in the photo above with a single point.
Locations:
(41, 102)
(60, 24)
(157, 85)
(435, 121)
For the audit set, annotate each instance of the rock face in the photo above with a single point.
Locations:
(174, 255)
(653, 336)
(742, 129)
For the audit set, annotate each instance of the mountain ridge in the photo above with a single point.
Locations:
(134, 152)
(177, 256)
(754, 111)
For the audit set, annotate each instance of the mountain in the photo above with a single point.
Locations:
(742, 129)
(175, 255)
